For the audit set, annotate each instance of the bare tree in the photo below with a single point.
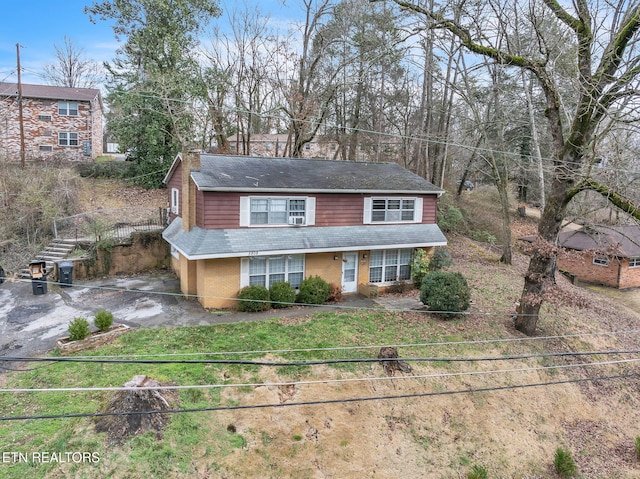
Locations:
(72, 69)
(606, 60)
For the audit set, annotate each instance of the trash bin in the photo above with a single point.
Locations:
(38, 272)
(65, 273)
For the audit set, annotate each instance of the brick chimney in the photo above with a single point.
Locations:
(190, 162)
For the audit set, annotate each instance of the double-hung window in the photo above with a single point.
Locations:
(392, 210)
(67, 108)
(277, 211)
(67, 138)
(268, 270)
(634, 262)
(390, 265)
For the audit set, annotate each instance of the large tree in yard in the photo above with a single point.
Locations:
(606, 66)
(153, 80)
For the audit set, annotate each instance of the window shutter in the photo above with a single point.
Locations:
(244, 272)
(245, 210)
(311, 211)
(366, 216)
(418, 213)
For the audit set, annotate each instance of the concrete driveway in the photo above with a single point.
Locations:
(30, 324)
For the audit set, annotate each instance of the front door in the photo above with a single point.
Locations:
(349, 272)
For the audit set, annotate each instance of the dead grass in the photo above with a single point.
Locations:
(513, 433)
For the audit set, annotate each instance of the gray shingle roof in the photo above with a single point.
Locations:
(228, 243)
(624, 240)
(244, 173)
(49, 92)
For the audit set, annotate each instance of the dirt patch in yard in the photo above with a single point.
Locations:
(429, 424)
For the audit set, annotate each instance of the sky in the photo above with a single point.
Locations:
(38, 25)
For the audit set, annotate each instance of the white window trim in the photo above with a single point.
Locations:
(601, 261)
(309, 211)
(67, 109)
(68, 140)
(418, 207)
(244, 269)
(636, 262)
(175, 201)
(397, 265)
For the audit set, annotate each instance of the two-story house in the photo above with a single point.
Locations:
(239, 221)
(56, 120)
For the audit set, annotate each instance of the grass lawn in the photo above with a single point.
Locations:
(144, 456)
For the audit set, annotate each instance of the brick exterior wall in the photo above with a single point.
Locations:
(580, 265)
(43, 133)
(629, 276)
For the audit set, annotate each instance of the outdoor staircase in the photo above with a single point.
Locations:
(56, 251)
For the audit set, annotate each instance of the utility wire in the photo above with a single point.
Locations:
(99, 360)
(321, 402)
(320, 381)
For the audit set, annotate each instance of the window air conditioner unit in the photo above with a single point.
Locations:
(296, 220)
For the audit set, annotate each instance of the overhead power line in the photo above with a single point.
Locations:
(99, 360)
(319, 381)
(321, 402)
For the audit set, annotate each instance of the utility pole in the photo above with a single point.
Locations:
(20, 114)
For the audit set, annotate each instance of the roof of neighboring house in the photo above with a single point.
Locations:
(229, 243)
(623, 240)
(49, 92)
(269, 174)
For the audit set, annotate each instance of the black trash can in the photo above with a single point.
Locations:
(39, 286)
(65, 273)
(38, 272)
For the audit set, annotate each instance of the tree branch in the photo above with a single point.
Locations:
(619, 201)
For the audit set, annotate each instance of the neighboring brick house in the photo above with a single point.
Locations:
(608, 255)
(238, 221)
(57, 121)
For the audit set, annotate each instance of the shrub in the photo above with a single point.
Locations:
(478, 472)
(638, 446)
(419, 267)
(445, 291)
(282, 295)
(450, 219)
(103, 319)
(253, 299)
(441, 258)
(335, 293)
(78, 329)
(313, 290)
(564, 463)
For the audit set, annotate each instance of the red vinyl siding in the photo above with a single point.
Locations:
(222, 210)
(339, 209)
(429, 207)
(175, 182)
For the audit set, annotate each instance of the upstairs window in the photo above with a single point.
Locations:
(44, 117)
(278, 211)
(392, 210)
(67, 138)
(67, 108)
(175, 201)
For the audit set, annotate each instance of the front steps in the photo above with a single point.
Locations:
(56, 251)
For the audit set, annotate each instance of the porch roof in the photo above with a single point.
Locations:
(230, 243)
